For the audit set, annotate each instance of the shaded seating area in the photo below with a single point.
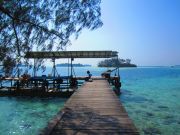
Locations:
(54, 82)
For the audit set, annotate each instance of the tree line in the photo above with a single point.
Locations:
(114, 62)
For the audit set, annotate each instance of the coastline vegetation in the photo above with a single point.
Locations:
(74, 65)
(114, 62)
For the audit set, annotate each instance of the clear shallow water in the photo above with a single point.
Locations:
(26, 116)
(151, 97)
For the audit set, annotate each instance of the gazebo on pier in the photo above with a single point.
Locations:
(55, 83)
(69, 54)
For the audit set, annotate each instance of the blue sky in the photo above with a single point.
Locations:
(146, 31)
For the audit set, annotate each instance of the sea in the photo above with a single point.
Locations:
(150, 95)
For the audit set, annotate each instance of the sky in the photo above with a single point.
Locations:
(145, 31)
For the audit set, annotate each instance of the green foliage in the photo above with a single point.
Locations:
(43, 25)
(9, 64)
(114, 62)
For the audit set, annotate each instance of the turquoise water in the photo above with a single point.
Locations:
(150, 95)
(26, 116)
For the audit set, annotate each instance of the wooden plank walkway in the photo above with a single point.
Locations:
(93, 110)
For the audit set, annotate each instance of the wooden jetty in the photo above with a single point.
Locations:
(53, 84)
(94, 109)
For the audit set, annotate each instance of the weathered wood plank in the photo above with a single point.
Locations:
(93, 109)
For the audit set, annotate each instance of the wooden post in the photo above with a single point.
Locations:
(118, 83)
(34, 67)
(68, 66)
(54, 72)
(54, 68)
(118, 67)
(72, 67)
(67, 84)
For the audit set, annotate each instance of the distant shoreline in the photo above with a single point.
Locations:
(121, 66)
(74, 65)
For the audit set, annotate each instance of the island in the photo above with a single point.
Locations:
(176, 66)
(114, 62)
(74, 65)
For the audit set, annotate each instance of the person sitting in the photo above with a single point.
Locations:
(89, 76)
